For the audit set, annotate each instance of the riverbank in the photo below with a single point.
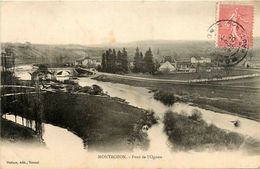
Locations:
(243, 102)
(191, 132)
(104, 123)
(14, 132)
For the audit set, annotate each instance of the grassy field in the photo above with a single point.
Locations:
(224, 98)
(247, 82)
(104, 123)
(201, 75)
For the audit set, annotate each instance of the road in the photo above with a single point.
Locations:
(16, 94)
(140, 78)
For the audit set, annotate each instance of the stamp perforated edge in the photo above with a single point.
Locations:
(242, 4)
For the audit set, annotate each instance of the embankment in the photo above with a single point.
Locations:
(14, 132)
(103, 122)
(193, 133)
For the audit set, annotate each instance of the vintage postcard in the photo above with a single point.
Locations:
(130, 84)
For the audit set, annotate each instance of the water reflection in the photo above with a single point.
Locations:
(22, 121)
(62, 149)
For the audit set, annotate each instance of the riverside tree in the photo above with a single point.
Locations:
(124, 61)
(114, 62)
(138, 61)
(144, 64)
(148, 60)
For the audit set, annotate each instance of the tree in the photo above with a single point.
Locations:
(110, 61)
(119, 61)
(43, 68)
(148, 59)
(124, 60)
(119, 54)
(136, 60)
(114, 53)
(113, 61)
(104, 62)
(141, 63)
(156, 64)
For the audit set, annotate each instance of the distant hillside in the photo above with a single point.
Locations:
(181, 50)
(37, 53)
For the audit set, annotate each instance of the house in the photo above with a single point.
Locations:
(98, 63)
(201, 60)
(170, 59)
(168, 64)
(167, 67)
(186, 66)
(87, 62)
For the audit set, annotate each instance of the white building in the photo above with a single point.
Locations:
(167, 67)
(202, 60)
(87, 62)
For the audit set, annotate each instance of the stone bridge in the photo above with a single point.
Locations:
(71, 70)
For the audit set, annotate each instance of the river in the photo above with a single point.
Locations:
(65, 150)
(142, 98)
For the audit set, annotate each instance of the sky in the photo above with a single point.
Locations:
(90, 23)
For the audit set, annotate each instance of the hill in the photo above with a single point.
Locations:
(41, 53)
(181, 50)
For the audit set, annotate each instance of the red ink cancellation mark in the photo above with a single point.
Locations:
(232, 33)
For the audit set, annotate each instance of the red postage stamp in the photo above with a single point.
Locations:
(235, 26)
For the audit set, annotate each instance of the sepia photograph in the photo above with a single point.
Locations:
(129, 84)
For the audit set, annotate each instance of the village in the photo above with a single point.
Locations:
(119, 62)
(86, 66)
(167, 65)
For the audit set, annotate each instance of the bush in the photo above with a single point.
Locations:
(70, 82)
(93, 90)
(166, 97)
(157, 73)
(43, 68)
(195, 115)
(97, 90)
(87, 89)
(138, 138)
(150, 118)
(186, 134)
(73, 87)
